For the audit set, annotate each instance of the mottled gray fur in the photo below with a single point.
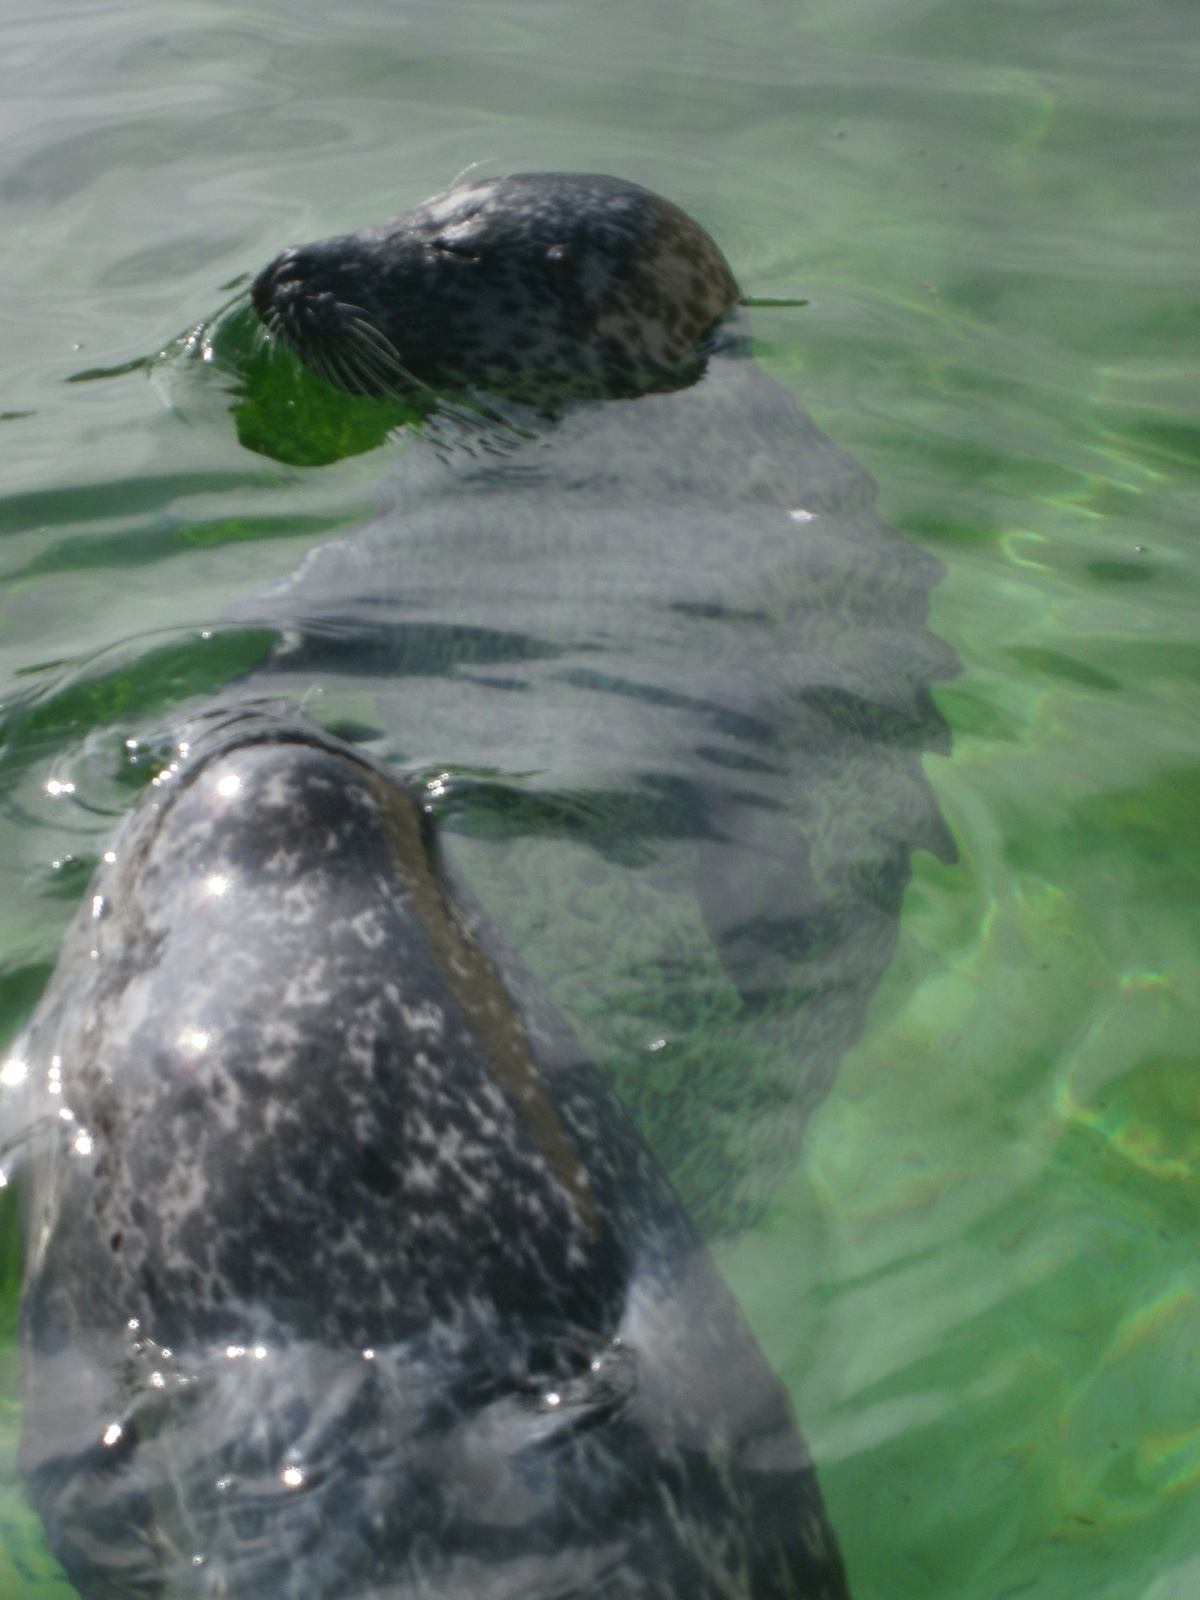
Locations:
(536, 286)
(346, 1276)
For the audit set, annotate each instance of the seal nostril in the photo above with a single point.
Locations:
(278, 282)
(262, 292)
(323, 309)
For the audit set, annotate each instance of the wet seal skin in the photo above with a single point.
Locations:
(532, 286)
(346, 1276)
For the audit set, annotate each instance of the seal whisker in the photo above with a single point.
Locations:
(389, 372)
(359, 378)
(379, 358)
(366, 329)
(313, 356)
(471, 166)
(359, 328)
(334, 372)
(385, 381)
(369, 337)
(369, 358)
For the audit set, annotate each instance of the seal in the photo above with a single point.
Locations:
(531, 286)
(346, 1275)
(678, 618)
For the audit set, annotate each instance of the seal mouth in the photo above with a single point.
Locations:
(334, 337)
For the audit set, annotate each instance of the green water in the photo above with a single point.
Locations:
(982, 1283)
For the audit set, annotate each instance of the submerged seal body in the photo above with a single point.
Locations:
(532, 285)
(346, 1276)
(665, 644)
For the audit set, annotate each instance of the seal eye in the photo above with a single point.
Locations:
(560, 256)
(458, 248)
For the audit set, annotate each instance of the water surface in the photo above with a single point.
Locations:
(980, 1282)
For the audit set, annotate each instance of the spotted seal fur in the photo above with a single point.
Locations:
(347, 1278)
(532, 285)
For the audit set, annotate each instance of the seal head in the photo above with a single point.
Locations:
(533, 285)
(346, 1276)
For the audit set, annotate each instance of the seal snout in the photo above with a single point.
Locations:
(303, 299)
(262, 290)
(281, 296)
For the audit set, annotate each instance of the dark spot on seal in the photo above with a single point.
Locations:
(377, 1172)
(537, 285)
(402, 1303)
